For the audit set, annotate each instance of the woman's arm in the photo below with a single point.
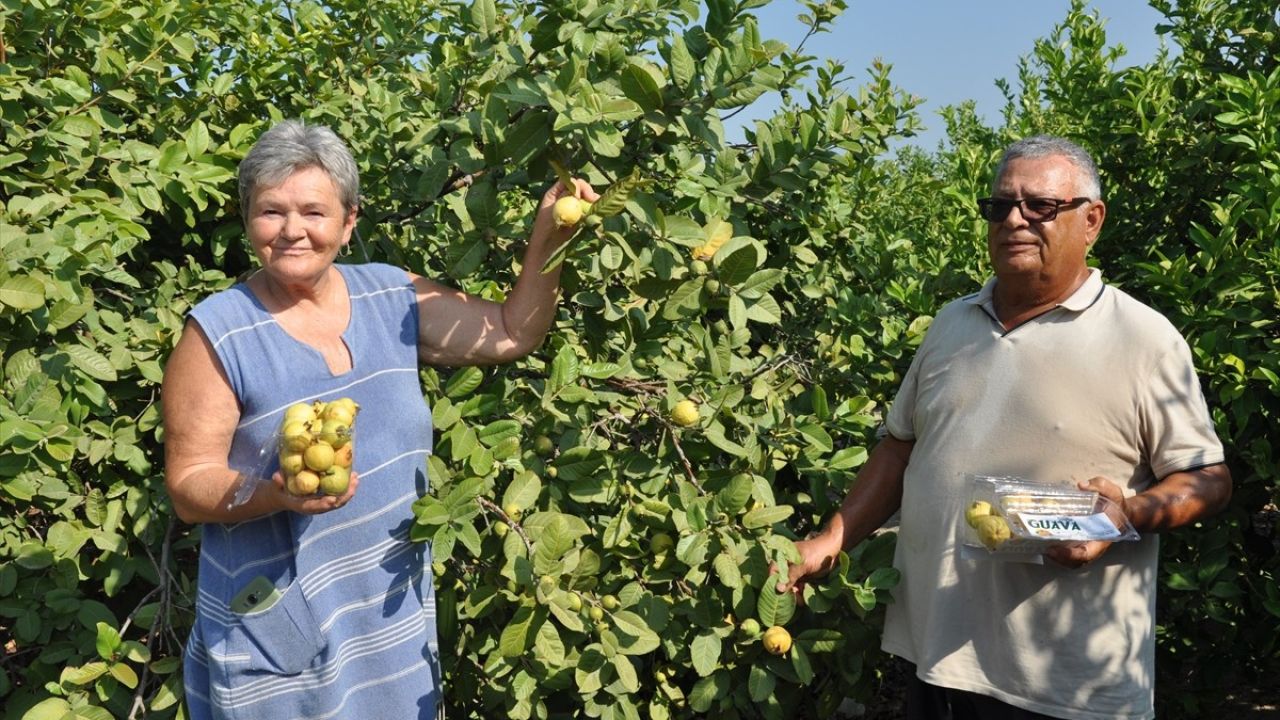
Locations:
(455, 328)
(200, 417)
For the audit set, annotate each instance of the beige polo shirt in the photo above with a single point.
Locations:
(1100, 385)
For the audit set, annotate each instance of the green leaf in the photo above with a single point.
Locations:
(738, 260)
(22, 293)
(53, 708)
(765, 310)
(707, 690)
(626, 673)
(197, 139)
(681, 62)
(108, 641)
(760, 683)
(614, 199)
(93, 363)
(705, 653)
(578, 463)
(33, 556)
(463, 382)
(523, 491)
(484, 16)
(715, 434)
(64, 314)
(84, 674)
(847, 458)
(553, 542)
(548, 648)
(125, 674)
(773, 607)
(527, 139)
(641, 87)
(817, 437)
(631, 624)
(821, 640)
(766, 516)
(167, 695)
(518, 636)
(727, 568)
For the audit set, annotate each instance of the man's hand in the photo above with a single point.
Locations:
(817, 558)
(1079, 554)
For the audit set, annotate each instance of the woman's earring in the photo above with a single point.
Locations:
(346, 250)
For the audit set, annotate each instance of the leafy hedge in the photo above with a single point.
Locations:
(593, 557)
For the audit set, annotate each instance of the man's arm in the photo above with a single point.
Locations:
(1181, 498)
(875, 496)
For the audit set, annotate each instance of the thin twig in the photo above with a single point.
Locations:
(139, 703)
(675, 441)
(492, 507)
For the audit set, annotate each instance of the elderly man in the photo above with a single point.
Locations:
(1048, 374)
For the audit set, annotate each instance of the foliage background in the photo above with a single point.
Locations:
(122, 126)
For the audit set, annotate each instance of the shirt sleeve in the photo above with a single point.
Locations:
(901, 420)
(1177, 430)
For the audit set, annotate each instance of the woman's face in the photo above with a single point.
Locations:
(297, 227)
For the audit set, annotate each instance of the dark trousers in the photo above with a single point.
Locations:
(930, 702)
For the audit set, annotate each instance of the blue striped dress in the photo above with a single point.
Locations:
(332, 615)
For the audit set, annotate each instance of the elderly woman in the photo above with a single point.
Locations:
(322, 607)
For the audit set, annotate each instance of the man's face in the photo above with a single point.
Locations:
(1047, 251)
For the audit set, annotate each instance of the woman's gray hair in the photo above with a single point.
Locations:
(1040, 146)
(292, 146)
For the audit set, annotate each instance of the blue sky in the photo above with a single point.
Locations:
(946, 51)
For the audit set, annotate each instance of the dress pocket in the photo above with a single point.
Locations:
(281, 634)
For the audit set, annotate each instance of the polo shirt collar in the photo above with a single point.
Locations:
(1084, 296)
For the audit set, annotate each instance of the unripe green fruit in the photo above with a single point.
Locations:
(595, 613)
(699, 267)
(713, 286)
(512, 510)
(575, 601)
(335, 433)
(335, 481)
(543, 446)
(750, 627)
(660, 543)
(609, 602)
(500, 529)
(552, 471)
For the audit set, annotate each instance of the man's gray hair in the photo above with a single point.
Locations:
(292, 146)
(1040, 146)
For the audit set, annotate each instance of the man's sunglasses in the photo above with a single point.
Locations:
(1033, 209)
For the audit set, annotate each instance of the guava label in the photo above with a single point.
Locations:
(1070, 527)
